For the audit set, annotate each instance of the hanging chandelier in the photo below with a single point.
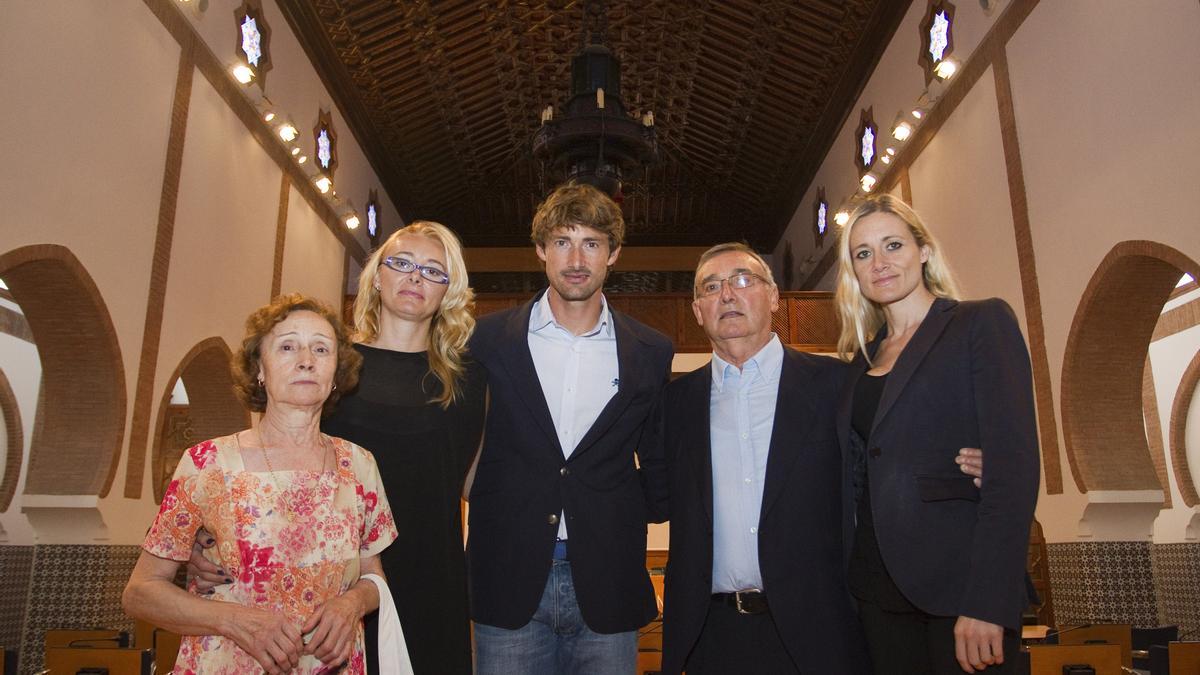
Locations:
(594, 140)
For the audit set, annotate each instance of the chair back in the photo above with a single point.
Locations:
(1120, 634)
(71, 660)
(1184, 658)
(99, 638)
(1050, 659)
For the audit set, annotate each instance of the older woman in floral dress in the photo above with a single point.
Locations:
(298, 516)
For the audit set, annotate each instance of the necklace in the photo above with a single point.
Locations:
(271, 470)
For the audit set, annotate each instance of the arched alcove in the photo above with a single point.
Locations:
(1102, 415)
(1178, 439)
(14, 442)
(212, 410)
(77, 436)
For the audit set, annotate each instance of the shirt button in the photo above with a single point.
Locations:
(745, 435)
(552, 519)
(564, 471)
(754, 530)
(747, 480)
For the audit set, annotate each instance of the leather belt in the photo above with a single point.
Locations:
(745, 602)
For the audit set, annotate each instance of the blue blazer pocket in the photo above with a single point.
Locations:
(944, 488)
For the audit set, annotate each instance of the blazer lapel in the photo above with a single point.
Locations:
(629, 372)
(786, 432)
(518, 361)
(846, 404)
(922, 341)
(697, 440)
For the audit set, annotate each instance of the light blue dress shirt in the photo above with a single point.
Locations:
(741, 418)
(578, 373)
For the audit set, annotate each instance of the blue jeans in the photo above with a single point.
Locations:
(556, 640)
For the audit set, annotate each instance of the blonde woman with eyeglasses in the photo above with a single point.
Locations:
(418, 408)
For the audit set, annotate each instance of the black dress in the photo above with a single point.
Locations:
(423, 452)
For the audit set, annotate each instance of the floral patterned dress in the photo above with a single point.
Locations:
(289, 547)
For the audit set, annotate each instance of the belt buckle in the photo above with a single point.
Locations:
(737, 600)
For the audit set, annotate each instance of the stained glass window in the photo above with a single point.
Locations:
(251, 41)
(938, 40)
(820, 216)
(937, 36)
(324, 149)
(373, 218)
(325, 138)
(864, 140)
(253, 45)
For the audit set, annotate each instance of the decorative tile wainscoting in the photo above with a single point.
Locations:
(1126, 582)
(16, 564)
(1177, 585)
(73, 587)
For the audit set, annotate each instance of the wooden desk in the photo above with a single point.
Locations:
(1049, 659)
(68, 661)
(1113, 633)
(98, 639)
(1184, 657)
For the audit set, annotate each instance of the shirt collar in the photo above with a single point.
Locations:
(767, 363)
(543, 316)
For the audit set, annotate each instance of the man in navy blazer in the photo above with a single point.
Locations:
(558, 507)
(759, 493)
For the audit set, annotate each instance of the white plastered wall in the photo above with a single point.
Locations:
(1105, 103)
(89, 90)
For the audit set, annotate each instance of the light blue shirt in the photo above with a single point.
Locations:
(578, 373)
(741, 418)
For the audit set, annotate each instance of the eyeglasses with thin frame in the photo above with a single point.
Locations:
(737, 282)
(405, 266)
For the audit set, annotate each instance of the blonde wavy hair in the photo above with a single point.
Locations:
(450, 327)
(861, 318)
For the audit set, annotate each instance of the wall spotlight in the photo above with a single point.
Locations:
(242, 73)
(902, 131)
(302, 159)
(323, 184)
(287, 131)
(352, 220)
(841, 218)
(295, 151)
(886, 159)
(867, 182)
(945, 69)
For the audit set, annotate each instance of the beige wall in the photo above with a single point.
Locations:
(1104, 96)
(87, 120)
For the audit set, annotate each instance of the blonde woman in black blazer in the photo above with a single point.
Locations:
(937, 564)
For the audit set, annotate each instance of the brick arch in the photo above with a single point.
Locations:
(77, 437)
(1178, 439)
(213, 407)
(15, 438)
(1102, 415)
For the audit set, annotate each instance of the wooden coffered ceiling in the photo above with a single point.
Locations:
(445, 95)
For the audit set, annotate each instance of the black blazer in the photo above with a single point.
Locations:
(963, 380)
(804, 525)
(522, 483)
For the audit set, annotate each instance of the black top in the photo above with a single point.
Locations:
(868, 577)
(423, 452)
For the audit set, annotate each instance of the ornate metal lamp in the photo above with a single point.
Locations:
(595, 141)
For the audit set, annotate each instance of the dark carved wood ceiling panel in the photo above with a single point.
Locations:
(445, 96)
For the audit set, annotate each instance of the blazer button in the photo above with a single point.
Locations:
(552, 519)
(875, 452)
(564, 471)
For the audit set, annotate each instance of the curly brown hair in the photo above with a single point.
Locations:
(246, 363)
(577, 204)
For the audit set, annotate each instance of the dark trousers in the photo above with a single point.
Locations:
(739, 643)
(916, 643)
